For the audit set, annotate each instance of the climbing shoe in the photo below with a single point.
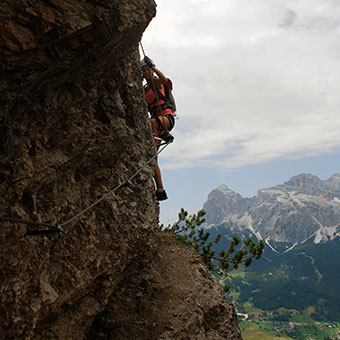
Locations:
(166, 136)
(169, 138)
(161, 195)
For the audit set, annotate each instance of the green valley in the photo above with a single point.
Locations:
(306, 278)
(285, 325)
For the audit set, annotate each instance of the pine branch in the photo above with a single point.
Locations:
(186, 229)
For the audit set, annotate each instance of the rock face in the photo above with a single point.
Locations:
(73, 126)
(302, 207)
(175, 297)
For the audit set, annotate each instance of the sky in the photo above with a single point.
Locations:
(257, 88)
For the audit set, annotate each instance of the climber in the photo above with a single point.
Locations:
(161, 110)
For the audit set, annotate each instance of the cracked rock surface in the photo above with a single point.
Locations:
(73, 125)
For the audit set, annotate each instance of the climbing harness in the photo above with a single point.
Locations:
(167, 98)
(59, 228)
(165, 134)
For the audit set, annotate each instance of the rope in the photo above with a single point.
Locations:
(141, 45)
(58, 228)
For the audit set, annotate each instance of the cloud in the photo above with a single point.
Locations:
(253, 81)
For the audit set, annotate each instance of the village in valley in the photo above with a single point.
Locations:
(285, 325)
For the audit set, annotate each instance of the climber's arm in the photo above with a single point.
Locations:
(160, 79)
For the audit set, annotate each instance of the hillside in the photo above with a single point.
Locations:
(73, 126)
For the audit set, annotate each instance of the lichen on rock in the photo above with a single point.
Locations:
(74, 125)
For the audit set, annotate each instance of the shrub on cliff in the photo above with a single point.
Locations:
(189, 231)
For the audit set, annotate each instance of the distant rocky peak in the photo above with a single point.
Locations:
(312, 185)
(333, 184)
(221, 202)
(224, 193)
(303, 178)
(304, 183)
(224, 189)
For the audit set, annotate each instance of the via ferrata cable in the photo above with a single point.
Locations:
(59, 228)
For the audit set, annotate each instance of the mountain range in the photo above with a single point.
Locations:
(300, 209)
(299, 221)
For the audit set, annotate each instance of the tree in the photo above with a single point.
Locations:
(188, 230)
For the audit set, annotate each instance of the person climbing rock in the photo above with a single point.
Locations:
(162, 112)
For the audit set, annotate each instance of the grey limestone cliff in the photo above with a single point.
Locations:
(74, 125)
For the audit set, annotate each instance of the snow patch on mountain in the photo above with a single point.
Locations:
(267, 242)
(325, 234)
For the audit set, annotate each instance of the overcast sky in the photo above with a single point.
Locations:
(257, 84)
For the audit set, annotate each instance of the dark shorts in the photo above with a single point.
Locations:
(171, 120)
